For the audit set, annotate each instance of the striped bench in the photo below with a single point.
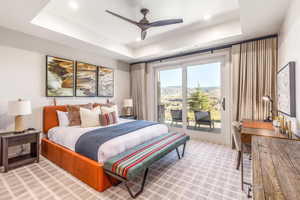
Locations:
(137, 160)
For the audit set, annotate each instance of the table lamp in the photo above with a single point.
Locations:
(269, 99)
(19, 109)
(128, 104)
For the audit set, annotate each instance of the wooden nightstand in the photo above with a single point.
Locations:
(128, 117)
(10, 139)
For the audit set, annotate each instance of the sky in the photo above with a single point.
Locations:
(207, 75)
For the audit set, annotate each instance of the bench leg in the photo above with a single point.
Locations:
(178, 153)
(183, 150)
(142, 186)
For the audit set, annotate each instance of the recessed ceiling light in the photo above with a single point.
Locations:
(74, 5)
(207, 17)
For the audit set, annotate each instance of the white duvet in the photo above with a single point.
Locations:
(68, 136)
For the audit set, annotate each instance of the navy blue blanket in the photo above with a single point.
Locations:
(89, 143)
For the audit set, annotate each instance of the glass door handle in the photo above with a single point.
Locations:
(223, 104)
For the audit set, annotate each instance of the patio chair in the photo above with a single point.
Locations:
(203, 118)
(176, 116)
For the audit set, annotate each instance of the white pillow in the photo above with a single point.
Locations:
(106, 109)
(90, 118)
(63, 119)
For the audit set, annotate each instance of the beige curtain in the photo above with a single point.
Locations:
(254, 67)
(138, 90)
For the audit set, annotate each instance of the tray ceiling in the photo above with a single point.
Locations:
(85, 24)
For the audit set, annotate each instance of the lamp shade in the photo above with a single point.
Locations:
(21, 107)
(128, 103)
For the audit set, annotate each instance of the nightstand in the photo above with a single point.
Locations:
(10, 139)
(128, 117)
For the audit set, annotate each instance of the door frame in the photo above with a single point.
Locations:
(183, 63)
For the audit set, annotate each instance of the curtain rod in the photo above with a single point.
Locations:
(205, 50)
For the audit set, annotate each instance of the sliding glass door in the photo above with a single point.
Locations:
(191, 98)
(204, 97)
(169, 95)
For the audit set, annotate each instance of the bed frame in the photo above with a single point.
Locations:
(88, 171)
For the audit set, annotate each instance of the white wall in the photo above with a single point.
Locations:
(23, 71)
(289, 46)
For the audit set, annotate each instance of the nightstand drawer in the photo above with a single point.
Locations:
(24, 139)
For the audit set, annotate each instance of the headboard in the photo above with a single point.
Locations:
(50, 119)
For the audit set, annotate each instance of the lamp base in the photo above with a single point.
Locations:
(127, 111)
(19, 124)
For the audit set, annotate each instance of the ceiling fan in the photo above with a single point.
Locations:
(144, 24)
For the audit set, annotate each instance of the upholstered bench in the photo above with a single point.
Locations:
(137, 160)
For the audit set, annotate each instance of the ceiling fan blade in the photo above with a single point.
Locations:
(121, 17)
(166, 22)
(143, 35)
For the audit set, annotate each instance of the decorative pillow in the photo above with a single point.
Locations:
(109, 109)
(63, 119)
(108, 118)
(90, 118)
(103, 104)
(74, 114)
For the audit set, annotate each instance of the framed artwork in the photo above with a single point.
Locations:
(59, 77)
(286, 90)
(86, 80)
(105, 82)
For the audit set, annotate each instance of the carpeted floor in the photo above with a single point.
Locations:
(206, 172)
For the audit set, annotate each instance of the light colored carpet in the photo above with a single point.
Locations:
(206, 172)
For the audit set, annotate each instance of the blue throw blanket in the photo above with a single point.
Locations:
(89, 143)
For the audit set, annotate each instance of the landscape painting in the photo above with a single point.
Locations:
(59, 77)
(105, 82)
(86, 80)
(286, 90)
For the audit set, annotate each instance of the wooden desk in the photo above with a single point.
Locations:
(259, 128)
(252, 128)
(276, 168)
(257, 124)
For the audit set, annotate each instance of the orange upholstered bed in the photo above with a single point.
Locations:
(83, 168)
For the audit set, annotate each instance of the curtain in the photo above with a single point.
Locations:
(254, 67)
(139, 90)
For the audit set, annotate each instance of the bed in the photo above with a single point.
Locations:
(59, 144)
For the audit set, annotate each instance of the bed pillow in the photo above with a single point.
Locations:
(108, 118)
(90, 118)
(74, 114)
(63, 119)
(110, 104)
(110, 109)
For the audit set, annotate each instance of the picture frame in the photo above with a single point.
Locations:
(59, 77)
(86, 80)
(286, 89)
(105, 82)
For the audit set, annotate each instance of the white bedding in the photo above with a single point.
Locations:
(68, 136)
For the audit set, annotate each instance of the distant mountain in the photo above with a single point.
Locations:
(177, 91)
(171, 91)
